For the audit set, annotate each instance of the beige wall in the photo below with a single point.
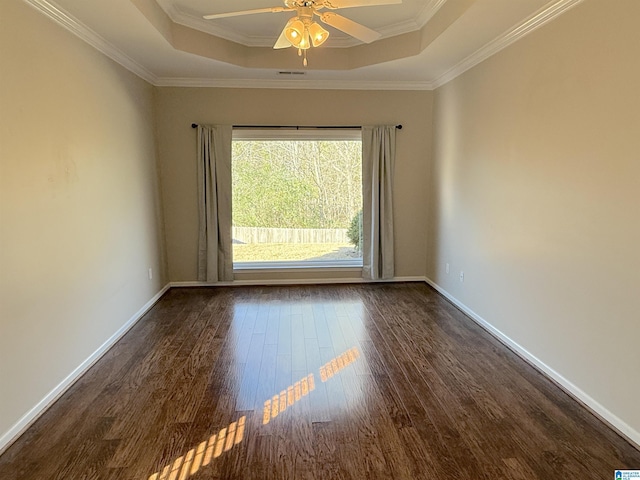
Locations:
(179, 107)
(536, 190)
(79, 205)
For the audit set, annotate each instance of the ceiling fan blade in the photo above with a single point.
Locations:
(350, 27)
(335, 4)
(282, 41)
(247, 12)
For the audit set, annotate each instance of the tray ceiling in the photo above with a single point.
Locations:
(424, 42)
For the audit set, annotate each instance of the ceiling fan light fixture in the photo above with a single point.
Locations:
(318, 34)
(295, 32)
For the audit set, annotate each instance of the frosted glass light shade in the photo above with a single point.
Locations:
(318, 34)
(295, 33)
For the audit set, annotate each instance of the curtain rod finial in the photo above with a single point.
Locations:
(399, 127)
(194, 125)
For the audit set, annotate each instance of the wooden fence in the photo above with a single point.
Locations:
(289, 235)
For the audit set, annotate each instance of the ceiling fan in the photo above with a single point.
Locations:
(302, 32)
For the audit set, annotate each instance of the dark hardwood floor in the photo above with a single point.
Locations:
(330, 382)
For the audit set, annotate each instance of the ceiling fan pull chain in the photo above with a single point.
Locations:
(304, 62)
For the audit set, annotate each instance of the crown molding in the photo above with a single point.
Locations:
(74, 26)
(427, 12)
(537, 20)
(293, 84)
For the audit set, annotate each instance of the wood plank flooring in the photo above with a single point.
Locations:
(384, 381)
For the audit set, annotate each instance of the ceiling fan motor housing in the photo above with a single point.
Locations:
(302, 3)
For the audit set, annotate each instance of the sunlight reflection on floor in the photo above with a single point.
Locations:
(224, 440)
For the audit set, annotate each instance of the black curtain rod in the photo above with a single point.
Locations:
(298, 127)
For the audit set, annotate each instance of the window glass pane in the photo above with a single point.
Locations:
(297, 200)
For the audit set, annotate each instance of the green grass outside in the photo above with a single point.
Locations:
(283, 252)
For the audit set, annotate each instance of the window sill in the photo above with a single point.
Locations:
(335, 265)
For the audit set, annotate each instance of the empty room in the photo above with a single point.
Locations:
(319, 239)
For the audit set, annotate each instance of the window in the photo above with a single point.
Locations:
(297, 198)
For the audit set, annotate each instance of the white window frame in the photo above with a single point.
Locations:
(302, 133)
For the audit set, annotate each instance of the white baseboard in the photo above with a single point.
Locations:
(32, 415)
(621, 427)
(305, 281)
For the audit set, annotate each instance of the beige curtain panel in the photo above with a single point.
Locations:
(378, 159)
(215, 256)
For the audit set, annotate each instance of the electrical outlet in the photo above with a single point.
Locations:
(461, 277)
(150, 273)
(446, 268)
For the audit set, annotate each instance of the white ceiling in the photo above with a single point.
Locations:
(168, 43)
